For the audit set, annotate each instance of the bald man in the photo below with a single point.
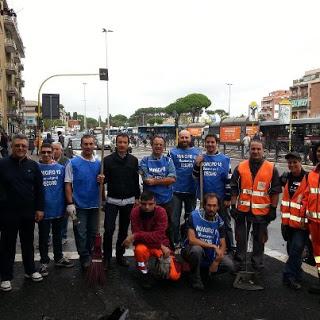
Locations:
(184, 189)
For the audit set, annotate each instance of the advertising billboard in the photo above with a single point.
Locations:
(230, 134)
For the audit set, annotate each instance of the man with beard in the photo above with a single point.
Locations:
(184, 189)
(216, 179)
(205, 245)
(255, 188)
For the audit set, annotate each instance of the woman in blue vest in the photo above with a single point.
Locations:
(54, 210)
(205, 245)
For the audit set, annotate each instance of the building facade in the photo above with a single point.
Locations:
(11, 67)
(305, 95)
(269, 110)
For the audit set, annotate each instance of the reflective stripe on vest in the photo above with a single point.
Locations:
(313, 205)
(291, 217)
(317, 259)
(254, 193)
(314, 190)
(314, 215)
(291, 213)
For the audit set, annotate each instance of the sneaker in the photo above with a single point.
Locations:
(292, 283)
(64, 241)
(196, 283)
(64, 263)
(36, 276)
(5, 286)
(43, 270)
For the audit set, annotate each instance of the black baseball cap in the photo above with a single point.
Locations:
(293, 155)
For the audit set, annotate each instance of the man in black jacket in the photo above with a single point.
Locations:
(123, 192)
(21, 204)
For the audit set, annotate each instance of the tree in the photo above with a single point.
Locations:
(142, 116)
(176, 109)
(119, 120)
(75, 116)
(194, 103)
(91, 123)
(222, 113)
(48, 124)
(156, 119)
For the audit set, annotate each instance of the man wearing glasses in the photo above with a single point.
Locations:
(21, 204)
(54, 210)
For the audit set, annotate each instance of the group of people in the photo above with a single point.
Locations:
(47, 191)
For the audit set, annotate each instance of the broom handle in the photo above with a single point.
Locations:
(101, 184)
(201, 184)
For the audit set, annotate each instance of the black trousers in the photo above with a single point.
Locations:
(44, 230)
(109, 227)
(10, 226)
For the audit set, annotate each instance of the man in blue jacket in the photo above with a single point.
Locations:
(159, 174)
(54, 210)
(216, 178)
(184, 189)
(82, 180)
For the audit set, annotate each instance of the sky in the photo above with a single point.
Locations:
(163, 50)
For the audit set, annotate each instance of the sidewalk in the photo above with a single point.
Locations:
(65, 295)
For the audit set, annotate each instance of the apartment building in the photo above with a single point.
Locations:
(305, 95)
(268, 103)
(11, 67)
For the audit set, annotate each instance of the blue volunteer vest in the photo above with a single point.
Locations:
(207, 231)
(183, 160)
(158, 168)
(85, 185)
(53, 183)
(215, 174)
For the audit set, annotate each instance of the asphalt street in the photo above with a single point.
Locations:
(64, 294)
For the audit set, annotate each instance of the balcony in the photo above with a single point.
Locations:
(11, 68)
(20, 67)
(18, 76)
(10, 46)
(12, 91)
(16, 58)
(9, 23)
(22, 83)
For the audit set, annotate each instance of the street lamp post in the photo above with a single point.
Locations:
(229, 100)
(85, 106)
(108, 111)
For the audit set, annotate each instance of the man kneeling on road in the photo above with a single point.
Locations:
(149, 224)
(205, 246)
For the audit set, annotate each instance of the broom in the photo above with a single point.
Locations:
(95, 274)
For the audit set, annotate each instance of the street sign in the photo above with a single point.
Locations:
(103, 74)
(50, 106)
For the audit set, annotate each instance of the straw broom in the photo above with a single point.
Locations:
(95, 274)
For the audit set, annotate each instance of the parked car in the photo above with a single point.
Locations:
(108, 145)
(73, 148)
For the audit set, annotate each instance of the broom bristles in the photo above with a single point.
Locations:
(96, 274)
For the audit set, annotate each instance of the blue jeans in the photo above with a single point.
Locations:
(296, 243)
(44, 230)
(85, 232)
(189, 201)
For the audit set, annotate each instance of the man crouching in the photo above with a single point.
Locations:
(149, 223)
(205, 245)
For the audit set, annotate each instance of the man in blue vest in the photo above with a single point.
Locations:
(184, 189)
(82, 180)
(54, 210)
(205, 245)
(216, 178)
(159, 174)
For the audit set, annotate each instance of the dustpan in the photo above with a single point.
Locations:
(247, 280)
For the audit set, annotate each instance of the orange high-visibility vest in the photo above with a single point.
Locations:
(291, 212)
(254, 194)
(313, 205)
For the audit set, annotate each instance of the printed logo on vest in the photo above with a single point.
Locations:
(261, 185)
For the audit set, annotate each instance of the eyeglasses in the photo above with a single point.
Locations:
(46, 152)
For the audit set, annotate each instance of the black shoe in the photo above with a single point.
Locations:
(196, 283)
(292, 283)
(107, 265)
(122, 261)
(314, 289)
